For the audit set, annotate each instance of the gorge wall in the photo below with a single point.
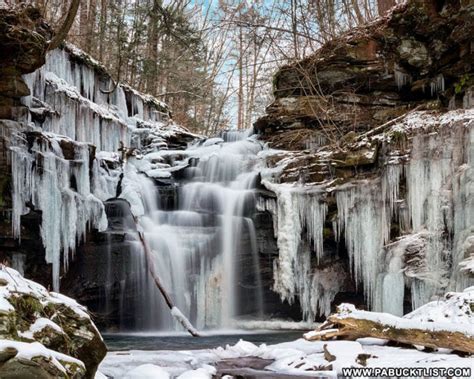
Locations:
(376, 131)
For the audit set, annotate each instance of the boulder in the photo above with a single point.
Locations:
(44, 334)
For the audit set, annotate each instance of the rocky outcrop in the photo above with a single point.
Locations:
(374, 170)
(419, 54)
(44, 334)
(23, 42)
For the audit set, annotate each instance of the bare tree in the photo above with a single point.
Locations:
(61, 33)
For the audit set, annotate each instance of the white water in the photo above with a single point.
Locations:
(197, 245)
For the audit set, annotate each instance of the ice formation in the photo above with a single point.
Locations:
(71, 91)
(60, 189)
(437, 85)
(298, 215)
(69, 106)
(434, 209)
(439, 177)
(401, 78)
(361, 217)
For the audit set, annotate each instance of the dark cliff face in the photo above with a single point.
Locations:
(23, 42)
(420, 54)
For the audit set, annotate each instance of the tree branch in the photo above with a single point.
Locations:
(61, 34)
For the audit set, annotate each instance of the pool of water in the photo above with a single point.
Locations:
(181, 341)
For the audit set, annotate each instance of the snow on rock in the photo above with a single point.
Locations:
(38, 326)
(48, 320)
(99, 375)
(343, 354)
(240, 349)
(455, 307)
(147, 371)
(298, 358)
(212, 141)
(35, 360)
(205, 372)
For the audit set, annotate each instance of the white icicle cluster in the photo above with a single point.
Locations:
(296, 209)
(436, 219)
(44, 178)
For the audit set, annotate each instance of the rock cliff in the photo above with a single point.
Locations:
(372, 141)
(419, 55)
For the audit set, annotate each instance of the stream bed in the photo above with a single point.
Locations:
(182, 341)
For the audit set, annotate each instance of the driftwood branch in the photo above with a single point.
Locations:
(151, 268)
(351, 324)
(382, 127)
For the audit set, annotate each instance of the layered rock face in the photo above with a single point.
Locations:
(419, 54)
(374, 185)
(24, 43)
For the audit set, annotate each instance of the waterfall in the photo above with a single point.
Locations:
(197, 245)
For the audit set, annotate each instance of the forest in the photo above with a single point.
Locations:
(211, 61)
(205, 189)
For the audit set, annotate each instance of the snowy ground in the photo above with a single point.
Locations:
(296, 358)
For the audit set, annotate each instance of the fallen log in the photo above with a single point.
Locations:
(350, 323)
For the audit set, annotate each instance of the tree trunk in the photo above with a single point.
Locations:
(352, 324)
(240, 114)
(90, 46)
(102, 27)
(152, 75)
(61, 34)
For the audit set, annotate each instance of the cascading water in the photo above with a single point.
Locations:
(197, 206)
(196, 246)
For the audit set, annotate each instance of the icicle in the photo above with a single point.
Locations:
(43, 177)
(437, 85)
(315, 141)
(390, 288)
(362, 216)
(296, 209)
(437, 180)
(401, 78)
(463, 204)
(468, 99)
